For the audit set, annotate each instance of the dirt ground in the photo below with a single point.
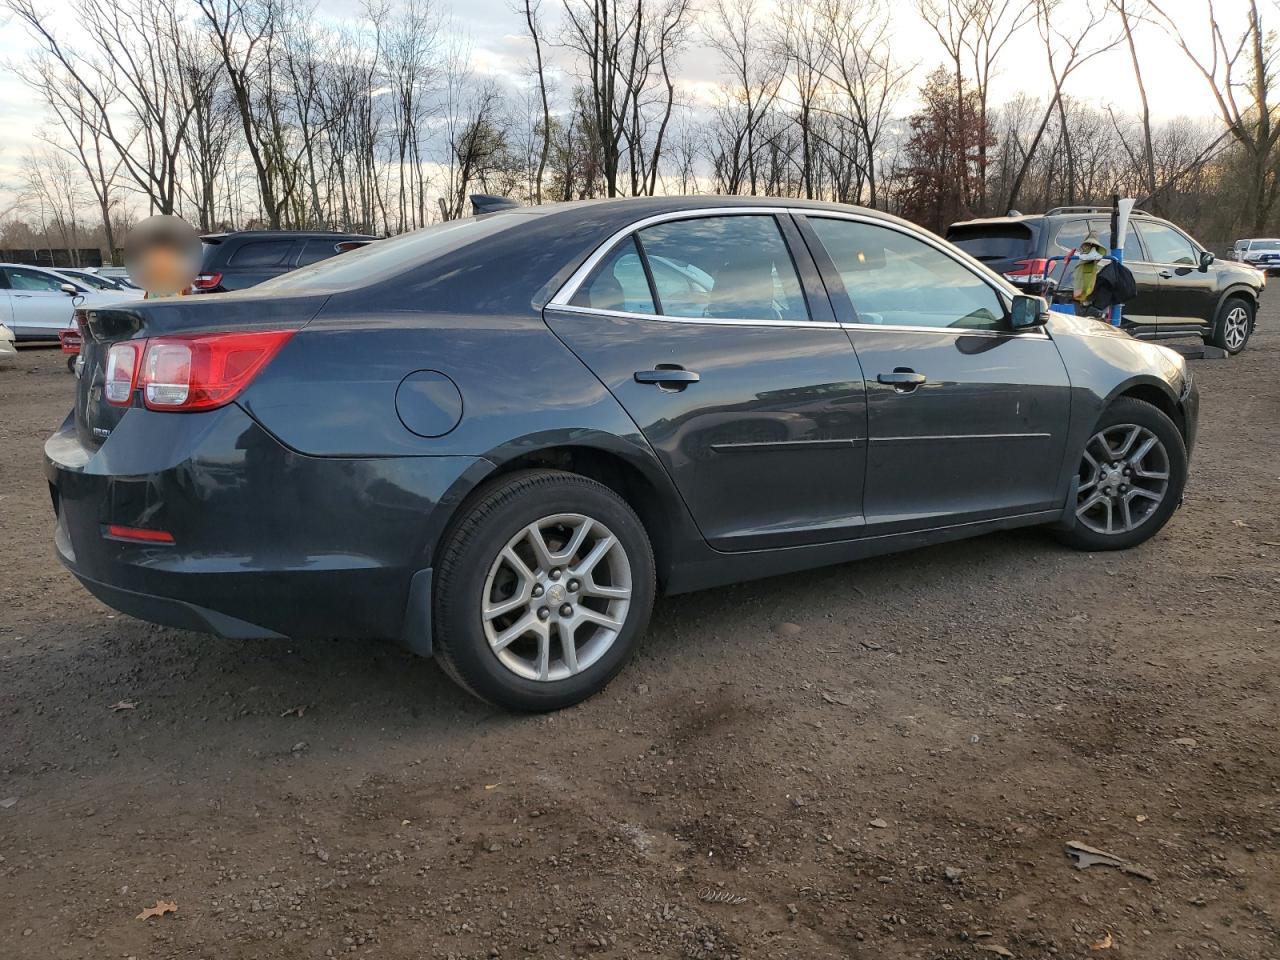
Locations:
(883, 760)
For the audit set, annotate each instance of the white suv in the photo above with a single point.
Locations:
(1261, 253)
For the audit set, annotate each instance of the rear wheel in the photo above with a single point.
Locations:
(1131, 476)
(1233, 325)
(542, 591)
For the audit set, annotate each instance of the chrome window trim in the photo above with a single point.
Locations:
(1034, 334)
(570, 287)
(704, 321)
(1002, 289)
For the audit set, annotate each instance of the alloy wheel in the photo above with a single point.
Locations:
(1124, 477)
(556, 597)
(1235, 328)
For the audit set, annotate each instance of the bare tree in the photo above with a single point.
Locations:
(859, 63)
(1240, 72)
(1065, 53)
(756, 72)
(531, 10)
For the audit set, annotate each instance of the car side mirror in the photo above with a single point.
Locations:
(1206, 260)
(69, 289)
(1029, 312)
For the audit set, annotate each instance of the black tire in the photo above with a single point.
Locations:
(1128, 411)
(71, 362)
(483, 529)
(1221, 336)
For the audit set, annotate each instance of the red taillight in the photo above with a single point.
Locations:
(206, 281)
(201, 371)
(122, 371)
(138, 534)
(1035, 270)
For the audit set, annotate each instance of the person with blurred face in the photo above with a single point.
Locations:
(162, 255)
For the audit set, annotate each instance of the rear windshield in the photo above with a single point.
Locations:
(381, 259)
(990, 241)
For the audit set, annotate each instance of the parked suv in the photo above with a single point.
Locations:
(1261, 253)
(1182, 289)
(233, 261)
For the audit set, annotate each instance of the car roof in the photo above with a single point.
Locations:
(59, 271)
(284, 234)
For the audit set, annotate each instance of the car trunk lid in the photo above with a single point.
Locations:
(95, 417)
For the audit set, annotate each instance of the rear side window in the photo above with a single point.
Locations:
(261, 253)
(1003, 241)
(315, 250)
(730, 267)
(618, 284)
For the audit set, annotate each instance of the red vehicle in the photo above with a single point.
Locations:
(70, 340)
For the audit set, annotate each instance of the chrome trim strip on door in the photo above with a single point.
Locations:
(968, 436)
(758, 445)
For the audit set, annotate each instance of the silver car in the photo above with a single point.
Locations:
(37, 303)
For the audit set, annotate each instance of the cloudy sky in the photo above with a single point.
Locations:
(492, 31)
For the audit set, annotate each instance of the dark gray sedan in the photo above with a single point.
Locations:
(497, 439)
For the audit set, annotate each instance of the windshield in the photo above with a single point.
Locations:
(380, 259)
(1264, 245)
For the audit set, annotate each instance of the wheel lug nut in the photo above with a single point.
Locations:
(543, 613)
(537, 590)
(573, 586)
(566, 610)
(555, 574)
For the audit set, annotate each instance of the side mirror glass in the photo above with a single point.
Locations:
(68, 289)
(1028, 312)
(1206, 259)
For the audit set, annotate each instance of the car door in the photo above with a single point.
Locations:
(1187, 293)
(733, 368)
(41, 308)
(967, 419)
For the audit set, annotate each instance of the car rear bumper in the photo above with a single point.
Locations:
(266, 542)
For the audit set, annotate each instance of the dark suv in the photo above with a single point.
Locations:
(1183, 290)
(233, 261)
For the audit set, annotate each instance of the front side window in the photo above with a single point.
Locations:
(1168, 245)
(618, 284)
(895, 279)
(20, 279)
(725, 267)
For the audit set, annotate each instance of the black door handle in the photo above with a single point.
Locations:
(902, 379)
(1166, 275)
(668, 378)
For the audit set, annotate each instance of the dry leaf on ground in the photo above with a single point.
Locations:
(159, 910)
(1103, 944)
(125, 705)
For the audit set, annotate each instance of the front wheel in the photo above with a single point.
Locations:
(1131, 476)
(1233, 326)
(542, 590)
